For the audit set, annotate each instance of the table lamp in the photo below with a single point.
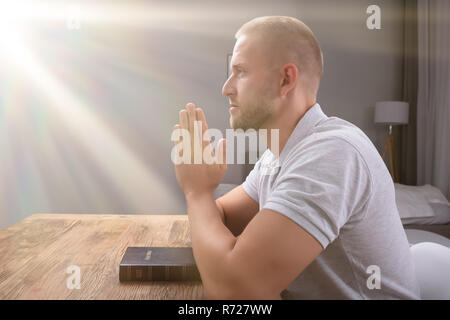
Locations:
(391, 113)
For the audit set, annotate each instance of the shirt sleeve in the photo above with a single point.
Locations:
(251, 183)
(321, 186)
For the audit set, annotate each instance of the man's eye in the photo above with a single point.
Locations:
(238, 71)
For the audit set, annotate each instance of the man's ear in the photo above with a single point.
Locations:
(289, 76)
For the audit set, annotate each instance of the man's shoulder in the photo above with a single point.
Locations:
(336, 128)
(336, 137)
(334, 150)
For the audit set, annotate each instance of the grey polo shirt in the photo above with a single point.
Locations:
(331, 181)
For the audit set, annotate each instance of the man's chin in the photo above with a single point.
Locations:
(235, 125)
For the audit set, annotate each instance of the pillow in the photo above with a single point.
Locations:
(421, 204)
(432, 194)
(441, 216)
(411, 202)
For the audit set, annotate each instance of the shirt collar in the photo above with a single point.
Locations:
(303, 129)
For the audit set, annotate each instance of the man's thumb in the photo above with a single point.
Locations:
(221, 153)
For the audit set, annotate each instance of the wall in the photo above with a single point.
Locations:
(85, 122)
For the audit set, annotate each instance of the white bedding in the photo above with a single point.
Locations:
(416, 236)
(421, 204)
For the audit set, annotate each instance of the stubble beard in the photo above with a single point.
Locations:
(253, 116)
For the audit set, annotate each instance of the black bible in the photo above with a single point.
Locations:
(158, 264)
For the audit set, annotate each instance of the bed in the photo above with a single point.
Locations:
(424, 212)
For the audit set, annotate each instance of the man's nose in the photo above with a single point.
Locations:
(228, 89)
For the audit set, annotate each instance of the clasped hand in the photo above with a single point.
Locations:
(198, 168)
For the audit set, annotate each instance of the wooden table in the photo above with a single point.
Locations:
(36, 252)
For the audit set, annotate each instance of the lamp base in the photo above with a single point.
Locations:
(392, 157)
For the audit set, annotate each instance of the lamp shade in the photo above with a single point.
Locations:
(391, 112)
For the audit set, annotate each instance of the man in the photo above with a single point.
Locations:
(324, 224)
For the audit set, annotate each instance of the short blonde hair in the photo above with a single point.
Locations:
(289, 40)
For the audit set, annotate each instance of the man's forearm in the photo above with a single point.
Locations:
(221, 211)
(211, 240)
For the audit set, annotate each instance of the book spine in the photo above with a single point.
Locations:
(156, 273)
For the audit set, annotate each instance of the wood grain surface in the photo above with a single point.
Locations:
(36, 252)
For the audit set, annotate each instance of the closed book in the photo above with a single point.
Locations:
(158, 264)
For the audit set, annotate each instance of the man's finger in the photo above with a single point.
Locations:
(184, 119)
(177, 151)
(176, 134)
(190, 107)
(221, 152)
(202, 119)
